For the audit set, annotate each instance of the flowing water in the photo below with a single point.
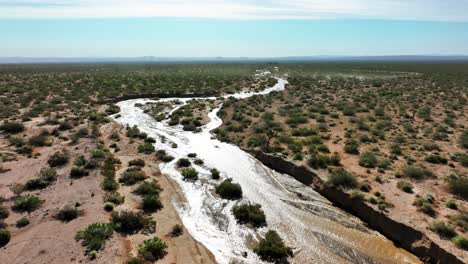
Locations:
(316, 230)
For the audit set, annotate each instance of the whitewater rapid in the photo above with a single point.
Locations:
(317, 231)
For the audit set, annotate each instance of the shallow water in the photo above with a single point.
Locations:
(317, 231)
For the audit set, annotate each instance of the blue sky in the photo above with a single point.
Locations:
(114, 28)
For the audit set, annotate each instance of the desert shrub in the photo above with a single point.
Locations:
(114, 197)
(152, 249)
(58, 159)
(463, 159)
(416, 172)
(443, 229)
(395, 149)
(273, 249)
(132, 176)
(425, 205)
(190, 174)
(94, 236)
(458, 185)
(27, 203)
(342, 178)
(250, 214)
(38, 141)
(78, 172)
(109, 185)
(108, 168)
(177, 230)
(167, 158)
(405, 186)
(436, 159)
(36, 184)
(79, 161)
(137, 162)
(319, 161)
(352, 147)
(192, 155)
(4, 237)
(146, 148)
(464, 139)
(98, 154)
(461, 242)
(368, 160)
(22, 222)
(229, 190)
(67, 214)
(215, 175)
(12, 127)
(4, 212)
(109, 207)
(151, 203)
(127, 222)
(451, 204)
(430, 146)
(148, 188)
(183, 162)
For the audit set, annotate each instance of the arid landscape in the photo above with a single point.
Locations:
(81, 182)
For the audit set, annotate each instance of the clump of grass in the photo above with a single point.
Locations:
(5, 237)
(458, 185)
(461, 242)
(27, 203)
(58, 159)
(444, 230)
(416, 172)
(67, 214)
(405, 186)
(22, 222)
(152, 249)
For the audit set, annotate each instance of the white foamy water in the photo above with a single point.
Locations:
(317, 231)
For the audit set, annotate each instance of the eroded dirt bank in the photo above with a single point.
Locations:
(407, 237)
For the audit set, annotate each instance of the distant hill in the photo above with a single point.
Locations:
(396, 58)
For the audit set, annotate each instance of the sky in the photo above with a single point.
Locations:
(232, 28)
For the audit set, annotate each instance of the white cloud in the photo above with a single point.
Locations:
(431, 10)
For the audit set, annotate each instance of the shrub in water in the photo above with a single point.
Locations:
(183, 162)
(229, 190)
(190, 174)
(250, 214)
(215, 175)
(273, 249)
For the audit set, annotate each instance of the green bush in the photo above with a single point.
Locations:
(4, 237)
(39, 141)
(458, 185)
(190, 174)
(58, 159)
(464, 139)
(443, 229)
(131, 176)
(27, 203)
(78, 172)
(272, 249)
(151, 203)
(146, 148)
(451, 204)
(152, 249)
(114, 197)
(319, 161)
(12, 127)
(436, 159)
(342, 178)
(229, 190)
(36, 184)
(405, 186)
(352, 147)
(98, 154)
(250, 214)
(109, 185)
(67, 214)
(4, 212)
(368, 160)
(177, 230)
(109, 207)
(215, 175)
(94, 236)
(127, 222)
(22, 222)
(461, 242)
(137, 163)
(463, 159)
(416, 172)
(183, 162)
(148, 188)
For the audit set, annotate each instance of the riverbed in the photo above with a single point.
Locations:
(317, 231)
